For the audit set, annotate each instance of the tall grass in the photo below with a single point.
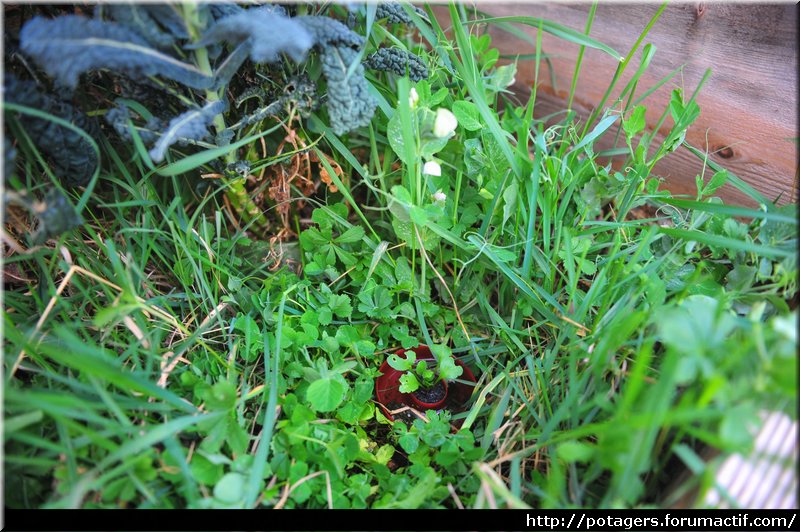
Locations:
(151, 358)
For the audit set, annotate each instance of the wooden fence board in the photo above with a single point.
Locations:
(748, 119)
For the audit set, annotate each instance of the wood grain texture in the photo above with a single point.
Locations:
(748, 119)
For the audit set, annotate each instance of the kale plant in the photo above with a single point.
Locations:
(190, 125)
(160, 25)
(399, 62)
(265, 30)
(395, 14)
(54, 214)
(162, 42)
(350, 105)
(74, 159)
(198, 56)
(68, 46)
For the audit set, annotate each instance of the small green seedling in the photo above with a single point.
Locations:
(420, 375)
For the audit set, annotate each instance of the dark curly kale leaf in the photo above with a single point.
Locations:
(74, 159)
(399, 62)
(268, 33)
(56, 216)
(118, 118)
(395, 14)
(302, 93)
(329, 32)
(170, 18)
(9, 156)
(54, 213)
(224, 9)
(144, 91)
(350, 105)
(251, 92)
(238, 169)
(191, 125)
(160, 25)
(66, 47)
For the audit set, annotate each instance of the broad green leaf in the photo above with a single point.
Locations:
(352, 234)
(510, 200)
(394, 132)
(635, 123)
(340, 305)
(695, 325)
(402, 363)
(324, 395)
(467, 115)
(574, 451)
(717, 180)
(230, 488)
(409, 442)
(204, 470)
(503, 76)
(408, 383)
(418, 215)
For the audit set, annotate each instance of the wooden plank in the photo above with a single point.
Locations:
(748, 119)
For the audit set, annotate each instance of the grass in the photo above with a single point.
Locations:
(159, 356)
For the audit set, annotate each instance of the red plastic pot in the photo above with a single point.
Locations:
(424, 405)
(387, 387)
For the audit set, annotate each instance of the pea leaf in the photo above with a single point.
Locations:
(717, 180)
(635, 123)
(467, 115)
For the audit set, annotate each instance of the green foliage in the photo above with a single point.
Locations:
(418, 374)
(176, 47)
(176, 354)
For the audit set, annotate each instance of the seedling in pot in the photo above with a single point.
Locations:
(426, 380)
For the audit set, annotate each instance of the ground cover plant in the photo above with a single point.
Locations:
(221, 222)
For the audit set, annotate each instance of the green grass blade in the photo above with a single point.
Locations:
(562, 32)
(726, 242)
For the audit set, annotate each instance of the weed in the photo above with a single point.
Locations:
(163, 354)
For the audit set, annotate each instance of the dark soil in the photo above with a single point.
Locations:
(407, 416)
(431, 395)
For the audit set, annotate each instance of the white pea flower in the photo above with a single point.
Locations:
(413, 98)
(445, 123)
(785, 326)
(432, 168)
(439, 196)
